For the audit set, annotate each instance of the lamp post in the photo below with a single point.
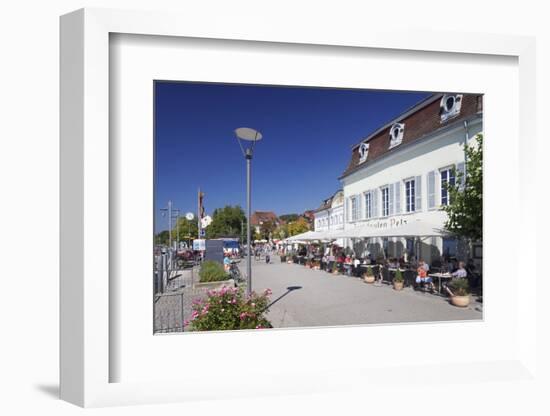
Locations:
(247, 139)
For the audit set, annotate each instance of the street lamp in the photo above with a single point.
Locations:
(247, 139)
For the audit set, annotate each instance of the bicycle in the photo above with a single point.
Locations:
(235, 273)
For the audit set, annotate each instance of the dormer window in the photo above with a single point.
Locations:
(450, 106)
(396, 134)
(363, 152)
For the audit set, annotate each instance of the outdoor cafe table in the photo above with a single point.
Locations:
(440, 276)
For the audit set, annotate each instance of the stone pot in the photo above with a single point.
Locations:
(460, 301)
(398, 285)
(369, 279)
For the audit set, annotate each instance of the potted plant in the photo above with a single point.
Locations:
(335, 268)
(369, 275)
(283, 258)
(398, 280)
(459, 292)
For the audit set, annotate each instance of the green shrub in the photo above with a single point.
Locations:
(460, 287)
(228, 309)
(212, 271)
(369, 271)
(398, 276)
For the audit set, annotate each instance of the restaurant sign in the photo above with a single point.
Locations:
(387, 223)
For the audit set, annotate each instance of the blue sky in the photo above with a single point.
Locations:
(307, 138)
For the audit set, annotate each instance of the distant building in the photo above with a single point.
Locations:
(330, 215)
(309, 215)
(258, 218)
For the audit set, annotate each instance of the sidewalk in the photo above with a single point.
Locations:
(304, 297)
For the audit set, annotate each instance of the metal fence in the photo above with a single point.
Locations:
(173, 292)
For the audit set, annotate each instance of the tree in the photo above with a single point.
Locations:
(297, 227)
(266, 229)
(187, 229)
(289, 217)
(226, 222)
(465, 209)
(162, 238)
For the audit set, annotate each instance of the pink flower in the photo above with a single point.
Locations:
(259, 327)
(268, 292)
(185, 323)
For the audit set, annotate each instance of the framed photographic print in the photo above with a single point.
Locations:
(289, 198)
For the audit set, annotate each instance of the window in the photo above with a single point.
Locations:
(363, 152)
(368, 205)
(396, 134)
(449, 247)
(450, 106)
(385, 201)
(447, 177)
(354, 208)
(410, 195)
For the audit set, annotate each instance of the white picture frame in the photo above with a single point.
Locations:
(86, 355)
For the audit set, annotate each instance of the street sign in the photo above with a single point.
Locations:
(206, 221)
(203, 233)
(199, 245)
(189, 216)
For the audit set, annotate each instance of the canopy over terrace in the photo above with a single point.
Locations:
(419, 229)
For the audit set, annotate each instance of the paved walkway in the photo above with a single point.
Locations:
(303, 297)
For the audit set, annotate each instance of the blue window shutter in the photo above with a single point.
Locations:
(397, 195)
(418, 193)
(460, 174)
(431, 189)
(390, 197)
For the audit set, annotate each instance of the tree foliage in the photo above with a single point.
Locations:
(162, 238)
(228, 221)
(297, 227)
(187, 229)
(465, 210)
(266, 230)
(289, 217)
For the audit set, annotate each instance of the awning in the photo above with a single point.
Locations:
(411, 229)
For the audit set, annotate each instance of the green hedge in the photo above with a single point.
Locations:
(212, 271)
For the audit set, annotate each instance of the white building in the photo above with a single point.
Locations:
(397, 174)
(330, 215)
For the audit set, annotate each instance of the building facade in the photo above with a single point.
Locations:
(330, 215)
(398, 174)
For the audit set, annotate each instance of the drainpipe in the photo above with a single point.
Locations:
(466, 137)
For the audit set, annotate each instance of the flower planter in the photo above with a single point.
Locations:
(283, 259)
(369, 279)
(460, 301)
(398, 285)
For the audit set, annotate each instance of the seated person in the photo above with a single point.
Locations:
(393, 263)
(422, 275)
(347, 265)
(461, 272)
(226, 262)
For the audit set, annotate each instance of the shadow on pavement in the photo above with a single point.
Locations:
(288, 290)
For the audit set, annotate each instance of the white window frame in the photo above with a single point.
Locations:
(410, 200)
(448, 169)
(368, 204)
(354, 200)
(385, 200)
